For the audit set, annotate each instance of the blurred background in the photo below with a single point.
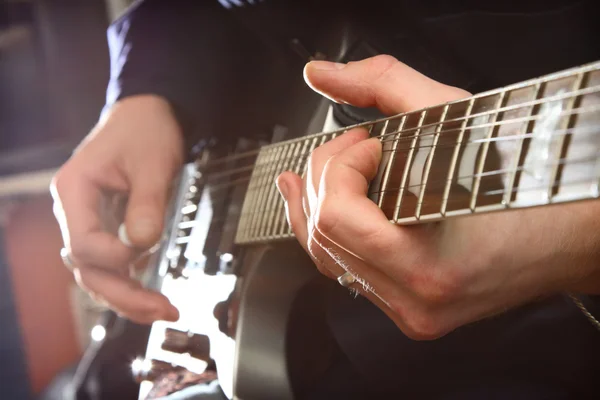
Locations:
(53, 72)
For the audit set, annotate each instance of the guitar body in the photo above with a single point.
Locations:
(264, 322)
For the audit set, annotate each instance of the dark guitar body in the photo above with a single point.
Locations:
(272, 340)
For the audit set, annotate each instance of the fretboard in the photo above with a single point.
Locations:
(529, 144)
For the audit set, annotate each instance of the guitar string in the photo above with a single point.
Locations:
(564, 96)
(577, 111)
(580, 131)
(460, 202)
(468, 195)
(434, 170)
(441, 184)
(457, 204)
(466, 143)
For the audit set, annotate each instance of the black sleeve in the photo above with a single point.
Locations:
(183, 50)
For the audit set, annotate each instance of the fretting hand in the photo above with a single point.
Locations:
(428, 279)
(134, 150)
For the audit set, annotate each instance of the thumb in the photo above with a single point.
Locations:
(146, 207)
(380, 81)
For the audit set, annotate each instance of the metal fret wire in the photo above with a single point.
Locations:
(492, 131)
(390, 162)
(281, 205)
(429, 162)
(566, 122)
(406, 171)
(260, 196)
(273, 196)
(454, 160)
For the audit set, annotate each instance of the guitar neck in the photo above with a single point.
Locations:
(528, 144)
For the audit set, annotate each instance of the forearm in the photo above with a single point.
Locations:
(557, 246)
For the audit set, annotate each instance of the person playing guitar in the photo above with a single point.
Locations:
(481, 295)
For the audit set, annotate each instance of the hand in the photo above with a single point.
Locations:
(135, 149)
(429, 279)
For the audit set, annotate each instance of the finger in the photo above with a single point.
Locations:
(348, 218)
(290, 186)
(380, 81)
(126, 295)
(77, 208)
(144, 217)
(319, 158)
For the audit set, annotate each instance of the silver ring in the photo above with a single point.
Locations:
(66, 258)
(346, 279)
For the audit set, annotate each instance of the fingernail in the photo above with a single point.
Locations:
(283, 189)
(123, 237)
(142, 228)
(326, 65)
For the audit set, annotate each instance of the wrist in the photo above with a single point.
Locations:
(142, 102)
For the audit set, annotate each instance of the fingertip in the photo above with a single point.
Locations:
(172, 314)
(374, 144)
(141, 231)
(317, 75)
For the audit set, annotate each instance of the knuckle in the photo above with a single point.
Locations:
(78, 250)
(417, 324)
(382, 64)
(327, 218)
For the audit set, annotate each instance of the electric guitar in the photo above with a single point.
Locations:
(229, 261)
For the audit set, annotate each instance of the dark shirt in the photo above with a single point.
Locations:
(213, 63)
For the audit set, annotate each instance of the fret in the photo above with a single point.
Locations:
(291, 162)
(249, 198)
(269, 189)
(484, 150)
(407, 166)
(266, 191)
(256, 210)
(297, 167)
(387, 161)
(430, 162)
(519, 158)
(260, 172)
(296, 162)
(275, 196)
(314, 143)
(454, 160)
(374, 192)
(563, 139)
